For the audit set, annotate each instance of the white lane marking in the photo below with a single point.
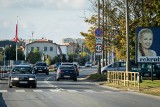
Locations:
(37, 91)
(107, 91)
(89, 91)
(20, 90)
(2, 91)
(72, 90)
(56, 90)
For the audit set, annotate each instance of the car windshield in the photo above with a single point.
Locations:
(22, 70)
(41, 64)
(66, 67)
(88, 63)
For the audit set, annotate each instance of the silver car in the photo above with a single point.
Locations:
(116, 66)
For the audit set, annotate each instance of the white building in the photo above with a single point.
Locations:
(44, 46)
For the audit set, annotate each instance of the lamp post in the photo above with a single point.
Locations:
(127, 41)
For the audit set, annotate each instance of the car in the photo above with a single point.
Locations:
(22, 75)
(41, 67)
(88, 64)
(144, 68)
(116, 66)
(73, 64)
(66, 72)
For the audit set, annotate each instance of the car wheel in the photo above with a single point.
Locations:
(47, 73)
(77, 73)
(75, 79)
(9, 84)
(34, 86)
(57, 79)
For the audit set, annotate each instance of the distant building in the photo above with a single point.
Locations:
(45, 47)
(67, 41)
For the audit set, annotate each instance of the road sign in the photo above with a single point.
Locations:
(98, 47)
(98, 32)
(99, 40)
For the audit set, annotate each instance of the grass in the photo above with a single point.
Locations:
(147, 86)
(150, 87)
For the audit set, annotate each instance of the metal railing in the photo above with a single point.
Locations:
(129, 79)
(4, 71)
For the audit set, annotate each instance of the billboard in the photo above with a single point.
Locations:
(148, 44)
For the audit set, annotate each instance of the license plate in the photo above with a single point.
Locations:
(23, 82)
(66, 76)
(39, 70)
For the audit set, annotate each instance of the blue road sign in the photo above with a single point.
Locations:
(98, 32)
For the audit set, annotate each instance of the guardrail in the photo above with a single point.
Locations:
(129, 79)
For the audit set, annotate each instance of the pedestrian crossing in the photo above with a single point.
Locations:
(52, 90)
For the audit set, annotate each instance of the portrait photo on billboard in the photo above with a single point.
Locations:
(148, 44)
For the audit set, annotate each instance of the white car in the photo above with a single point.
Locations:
(88, 64)
(116, 66)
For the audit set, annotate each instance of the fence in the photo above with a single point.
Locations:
(4, 71)
(129, 79)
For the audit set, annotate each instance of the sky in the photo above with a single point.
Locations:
(49, 19)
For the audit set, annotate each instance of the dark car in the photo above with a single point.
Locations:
(74, 64)
(22, 75)
(41, 67)
(66, 72)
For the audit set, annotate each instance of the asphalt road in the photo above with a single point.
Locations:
(68, 93)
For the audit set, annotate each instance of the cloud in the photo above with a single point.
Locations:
(59, 4)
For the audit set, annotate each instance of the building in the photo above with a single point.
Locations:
(44, 46)
(67, 41)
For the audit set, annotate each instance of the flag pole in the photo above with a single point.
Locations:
(16, 51)
(16, 37)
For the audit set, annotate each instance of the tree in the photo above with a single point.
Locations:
(34, 56)
(10, 53)
(146, 14)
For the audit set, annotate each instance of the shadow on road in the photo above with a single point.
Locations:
(2, 102)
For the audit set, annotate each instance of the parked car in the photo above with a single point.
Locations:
(22, 75)
(116, 66)
(41, 67)
(88, 64)
(144, 68)
(73, 64)
(66, 72)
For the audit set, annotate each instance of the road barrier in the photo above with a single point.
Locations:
(129, 79)
(4, 71)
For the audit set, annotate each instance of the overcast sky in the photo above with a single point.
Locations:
(50, 19)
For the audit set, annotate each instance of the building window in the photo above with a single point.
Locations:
(32, 48)
(51, 48)
(38, 48)
(45, 48)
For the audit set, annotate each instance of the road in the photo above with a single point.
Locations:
(68, 93)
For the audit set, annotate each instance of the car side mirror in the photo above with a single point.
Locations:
(33, 71)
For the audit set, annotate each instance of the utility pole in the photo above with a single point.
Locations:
(103, 56)
(99, 56)
(127, 41)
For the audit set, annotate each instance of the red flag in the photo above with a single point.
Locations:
(16, 36)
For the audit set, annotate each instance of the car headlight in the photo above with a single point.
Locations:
(14, 78)
(32, 78)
